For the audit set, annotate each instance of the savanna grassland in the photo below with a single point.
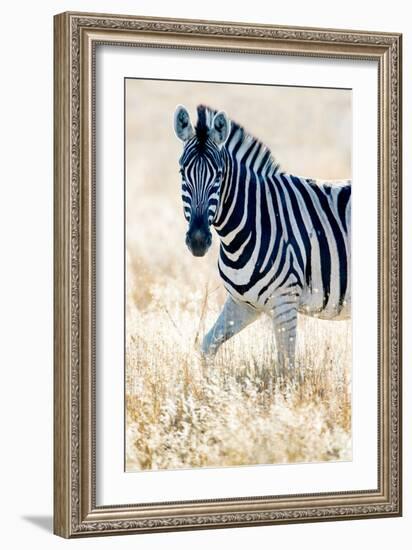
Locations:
(238, 410)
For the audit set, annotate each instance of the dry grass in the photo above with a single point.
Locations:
(181, 413)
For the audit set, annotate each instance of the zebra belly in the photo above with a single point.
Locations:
(311, 304)
(337, 287)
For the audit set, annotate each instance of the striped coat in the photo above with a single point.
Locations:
(285, 240)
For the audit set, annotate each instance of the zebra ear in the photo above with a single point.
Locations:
(220, 128)
(183, 126)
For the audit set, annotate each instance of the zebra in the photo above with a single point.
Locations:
(284, 240)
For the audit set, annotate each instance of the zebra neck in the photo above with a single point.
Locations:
(246, 189)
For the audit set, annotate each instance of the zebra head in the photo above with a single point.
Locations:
(202, 166)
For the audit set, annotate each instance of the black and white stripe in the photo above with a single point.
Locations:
(285, 240)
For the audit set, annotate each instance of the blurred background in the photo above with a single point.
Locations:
(178, 414)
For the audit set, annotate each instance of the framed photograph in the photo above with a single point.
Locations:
(227, 274)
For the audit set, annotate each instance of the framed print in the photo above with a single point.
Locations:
(227, 274)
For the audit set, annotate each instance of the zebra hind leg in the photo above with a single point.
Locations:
(285, 318)
(234, 317)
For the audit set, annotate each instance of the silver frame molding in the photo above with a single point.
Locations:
(76, 36)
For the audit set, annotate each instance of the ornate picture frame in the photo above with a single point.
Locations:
(76, 36)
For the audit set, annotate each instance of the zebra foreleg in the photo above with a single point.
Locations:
(285, 318)
(234, 317)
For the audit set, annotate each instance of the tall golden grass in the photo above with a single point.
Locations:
(237, 410)
(183, 413)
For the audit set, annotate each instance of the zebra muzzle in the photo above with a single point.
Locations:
(198, 241)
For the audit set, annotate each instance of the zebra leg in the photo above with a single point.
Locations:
(234, 317)
(285, 317)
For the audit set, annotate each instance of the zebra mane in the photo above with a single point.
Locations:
(204, 121)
